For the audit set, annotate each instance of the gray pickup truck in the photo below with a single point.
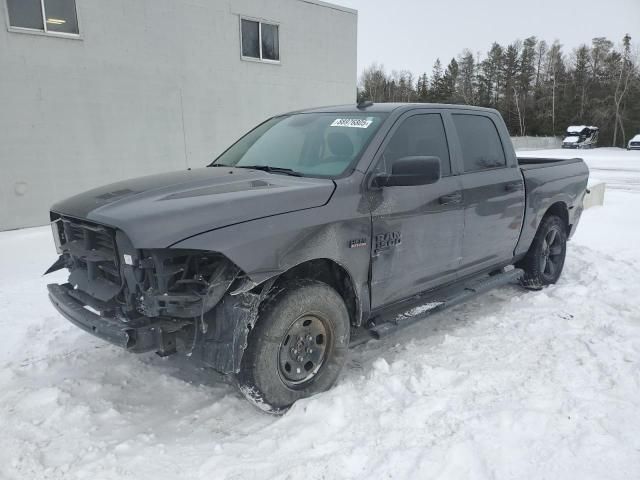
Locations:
(316, 230)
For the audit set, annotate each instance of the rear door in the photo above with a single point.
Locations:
(417, 230)
(493, 190)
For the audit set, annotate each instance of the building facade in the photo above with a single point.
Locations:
(93, 92)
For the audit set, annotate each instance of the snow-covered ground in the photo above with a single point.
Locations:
(513, 385)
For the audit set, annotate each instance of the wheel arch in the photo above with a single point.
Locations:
(558, 209)
(333, 274)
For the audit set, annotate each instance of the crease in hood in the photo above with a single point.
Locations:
(159, 210)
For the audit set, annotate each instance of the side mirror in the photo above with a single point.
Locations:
(410, 171)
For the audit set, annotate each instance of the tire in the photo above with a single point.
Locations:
(298, 346)
(545, 259)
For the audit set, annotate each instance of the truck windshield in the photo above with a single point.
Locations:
(312, 144)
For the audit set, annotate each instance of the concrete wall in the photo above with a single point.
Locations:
(536, 143)
(151, 86)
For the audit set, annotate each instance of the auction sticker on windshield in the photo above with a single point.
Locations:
(352, 122)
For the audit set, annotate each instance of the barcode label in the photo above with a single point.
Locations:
(352, 122)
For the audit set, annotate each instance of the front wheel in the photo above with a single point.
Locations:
(545, 259)
(298, 346)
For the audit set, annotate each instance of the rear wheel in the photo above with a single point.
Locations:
(298, 346)
(544, 261)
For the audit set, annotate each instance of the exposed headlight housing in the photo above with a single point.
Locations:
(57, 240)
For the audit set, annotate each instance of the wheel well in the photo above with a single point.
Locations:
(559, 209)
(334, 275)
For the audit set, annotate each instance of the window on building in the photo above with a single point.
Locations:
(49, 16)
(260, 40)
(480, 142)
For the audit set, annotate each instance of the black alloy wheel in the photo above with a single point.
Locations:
(544, 261)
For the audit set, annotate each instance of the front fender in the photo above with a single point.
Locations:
(268, 247)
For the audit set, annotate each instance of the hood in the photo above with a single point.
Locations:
(160, 210)
(571, 139)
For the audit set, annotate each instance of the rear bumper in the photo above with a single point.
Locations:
(154, 335)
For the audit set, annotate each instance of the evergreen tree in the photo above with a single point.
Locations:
(492, 73)
(422, 88)
(510, 69)
(581, 78)
(536, 88)
(436, 93)
(449, 81)
(466, 86)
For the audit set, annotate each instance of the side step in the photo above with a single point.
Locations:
(453, 296)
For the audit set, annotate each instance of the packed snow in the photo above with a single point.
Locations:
(579, 128)
(512, 385)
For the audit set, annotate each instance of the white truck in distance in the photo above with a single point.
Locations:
(580, 136)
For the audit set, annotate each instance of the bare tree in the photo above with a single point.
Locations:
(519, 111)
(373, 83)
(624, 76)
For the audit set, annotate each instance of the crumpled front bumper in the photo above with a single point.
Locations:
(147, 336)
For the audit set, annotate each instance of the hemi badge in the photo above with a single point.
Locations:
(360, 242)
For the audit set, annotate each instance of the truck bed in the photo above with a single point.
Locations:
(529, 163)
(549, 181)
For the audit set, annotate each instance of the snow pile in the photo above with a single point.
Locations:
(579, 128)
(514, 384)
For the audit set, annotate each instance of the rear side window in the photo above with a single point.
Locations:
(418, 136)
(480, 142)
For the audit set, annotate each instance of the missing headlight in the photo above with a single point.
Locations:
(183, 283)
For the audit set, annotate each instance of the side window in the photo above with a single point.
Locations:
(420, 135)
(480, 142)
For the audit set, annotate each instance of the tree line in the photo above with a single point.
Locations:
(537, 87)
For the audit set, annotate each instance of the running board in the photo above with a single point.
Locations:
(463, 293)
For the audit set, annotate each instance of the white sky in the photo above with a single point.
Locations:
(410, 34)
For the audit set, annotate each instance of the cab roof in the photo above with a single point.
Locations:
(388, 108)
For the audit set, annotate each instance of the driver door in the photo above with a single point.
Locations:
(417, 230)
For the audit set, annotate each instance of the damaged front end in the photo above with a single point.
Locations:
(162, 300)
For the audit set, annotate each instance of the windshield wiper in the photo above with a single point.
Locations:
(267, 168)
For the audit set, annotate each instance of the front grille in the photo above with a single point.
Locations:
(94, 257)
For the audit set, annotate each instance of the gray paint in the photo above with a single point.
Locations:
(203, 199)
(551, 182)
(153, 86)
(298, 220)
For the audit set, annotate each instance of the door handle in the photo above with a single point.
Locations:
(512, 187)
(450, 199)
